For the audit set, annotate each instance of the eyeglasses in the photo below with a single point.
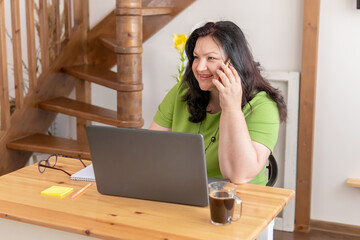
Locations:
(51, 161)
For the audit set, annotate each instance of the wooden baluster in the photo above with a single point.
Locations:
(68, 19)
(31, 50)
(58, 27)
(78, 13)
(83, 88)
(17, 57)
(4, 89)
(44, 34)
(129, 60)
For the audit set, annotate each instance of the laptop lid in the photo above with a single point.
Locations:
(152, 165)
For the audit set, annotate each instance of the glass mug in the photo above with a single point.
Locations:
(225, 206)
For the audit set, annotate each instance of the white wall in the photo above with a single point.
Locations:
(337, 128)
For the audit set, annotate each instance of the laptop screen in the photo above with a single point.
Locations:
(152, 165)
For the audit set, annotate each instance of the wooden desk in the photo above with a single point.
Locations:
(109, 217)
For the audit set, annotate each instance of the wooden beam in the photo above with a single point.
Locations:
(307, 113)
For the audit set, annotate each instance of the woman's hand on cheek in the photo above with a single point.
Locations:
(230, 89)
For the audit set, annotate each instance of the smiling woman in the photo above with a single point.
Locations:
(208, 57)
(233, 107)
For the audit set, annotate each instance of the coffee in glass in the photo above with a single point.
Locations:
(225, 206)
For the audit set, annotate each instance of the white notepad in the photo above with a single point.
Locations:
(86, 174)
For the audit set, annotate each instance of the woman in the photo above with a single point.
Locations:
(234, 108)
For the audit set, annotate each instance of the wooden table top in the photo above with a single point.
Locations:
(109, 217)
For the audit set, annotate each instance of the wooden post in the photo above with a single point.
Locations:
(83, 88)
(4, 88)
(129, 25)
(307, 113)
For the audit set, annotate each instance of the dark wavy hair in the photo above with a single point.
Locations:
(233, 41)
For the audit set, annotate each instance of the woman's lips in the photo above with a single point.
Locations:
(205, 76)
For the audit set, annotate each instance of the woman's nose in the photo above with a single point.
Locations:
(201, 65)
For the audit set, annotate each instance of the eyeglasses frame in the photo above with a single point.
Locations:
(52, 166)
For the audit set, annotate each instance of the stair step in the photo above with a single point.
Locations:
(100, 75)
(156, 11)
(87, 111)
(110, 43)
(52, 145)
(144, 11)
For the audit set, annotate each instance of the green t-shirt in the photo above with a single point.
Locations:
(262, 120)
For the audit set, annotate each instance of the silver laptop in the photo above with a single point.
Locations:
(152, 165)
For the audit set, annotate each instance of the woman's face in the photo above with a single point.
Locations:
(208, 57)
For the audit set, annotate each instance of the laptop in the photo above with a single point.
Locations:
(153, 165)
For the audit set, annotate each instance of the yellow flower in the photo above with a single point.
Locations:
(179, 41)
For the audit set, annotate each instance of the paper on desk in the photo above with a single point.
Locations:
(85, 174)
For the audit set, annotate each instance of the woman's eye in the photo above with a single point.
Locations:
(211, 58)
(196, 57)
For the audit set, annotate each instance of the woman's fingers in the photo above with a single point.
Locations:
(223, 77)
(218, 84)
(235, 73)
(228, 75)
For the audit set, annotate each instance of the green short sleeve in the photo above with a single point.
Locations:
(164, 114)
(262, 119)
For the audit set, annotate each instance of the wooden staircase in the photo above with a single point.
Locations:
(86, 58)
